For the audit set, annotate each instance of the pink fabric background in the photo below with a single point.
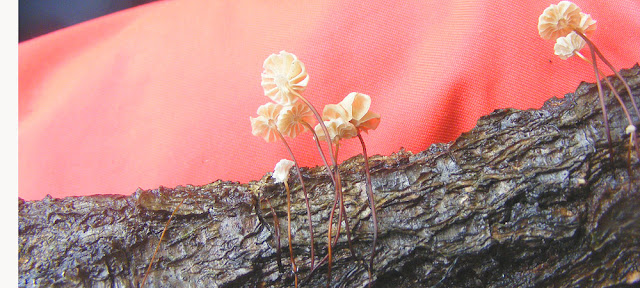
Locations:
(161, 94)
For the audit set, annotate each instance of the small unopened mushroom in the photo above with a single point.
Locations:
(630, 129)
(281, 174)
(281, 171)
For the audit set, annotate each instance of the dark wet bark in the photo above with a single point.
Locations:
(526, 198)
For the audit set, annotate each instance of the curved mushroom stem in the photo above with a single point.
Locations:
(372, 205)
(293, 260)
(335, 166)
(306, 198)
(322, 156)
(600, 96)
(595, 49)
(624, 108)
(324, 127)
(335, 203)
(343, 216)
(342, 213)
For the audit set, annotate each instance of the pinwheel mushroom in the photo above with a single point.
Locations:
(265, 124)
(559, 20)
(283, 77)
(294, 119)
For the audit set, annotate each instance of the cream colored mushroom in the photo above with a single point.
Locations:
(292, 119)
(559, 20)
(567, 46)
(283, 76)
(265, 124)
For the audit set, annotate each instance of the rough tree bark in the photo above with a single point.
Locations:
(526, 198)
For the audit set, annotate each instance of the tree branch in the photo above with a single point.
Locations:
(526, 198)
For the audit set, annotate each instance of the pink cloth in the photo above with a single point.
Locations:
(161, 94)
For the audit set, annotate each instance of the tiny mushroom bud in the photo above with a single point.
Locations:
(281, 171)
(630, 129)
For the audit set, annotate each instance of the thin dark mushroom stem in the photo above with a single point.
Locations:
(615, 93)
(329, 246)
(336, 201)
(622, 105)
(347, 228)
(322, 156)
(372, 205)
(293, 259)
(324, 127)
(601, 97)
(343, 212)
(324, 259)
(626, 113)
(595, 49)
(306, 198)
(334, 162)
